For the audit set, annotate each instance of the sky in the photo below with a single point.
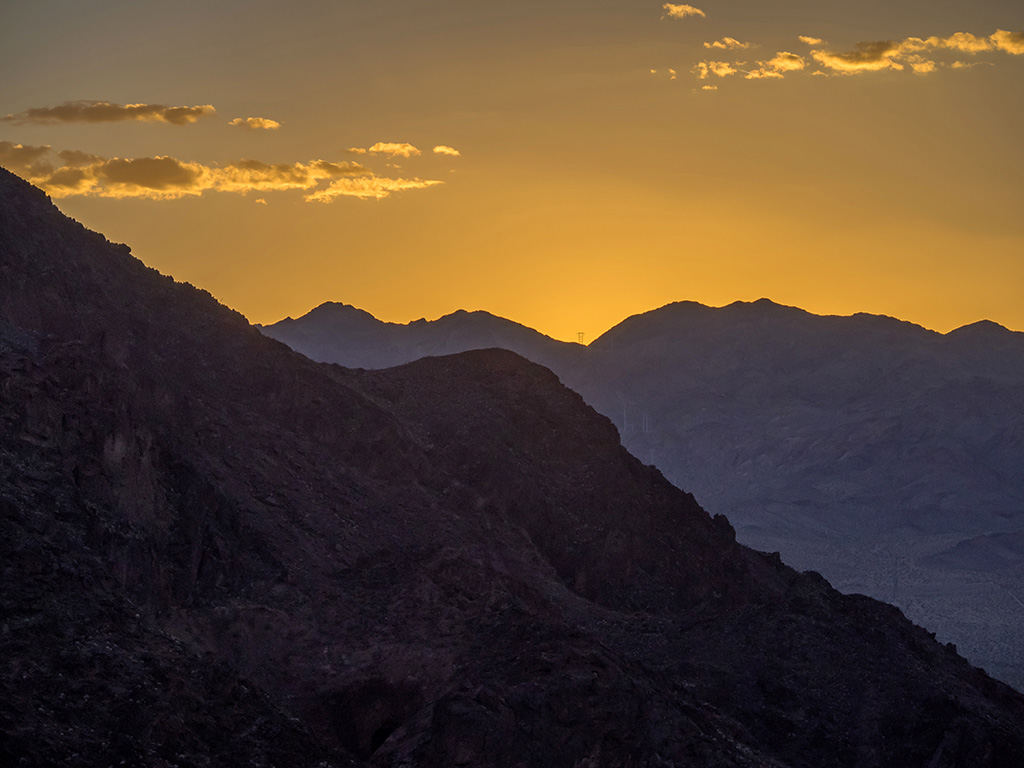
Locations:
(562, 163)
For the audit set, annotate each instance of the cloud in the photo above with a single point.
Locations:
(161, 175)
(387, 148)
(868, 57)
(762, 74)
(25, 158)
(367, 187)
(70, 172)
(705, 69)
(970, 64)
(785, 61)
(1010, 42)
(888, 54)
(441, 149)
(921, 65)
(920, 55)
(74, 159)
(777, 67)
(256, 123)
(674, 11)
(254, 175)
(729, 43)
(107, 112)
(709, 88)
(964, 42)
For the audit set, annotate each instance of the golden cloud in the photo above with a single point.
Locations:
(921, 65)
(441, 149)
(107, 112)
(70, 172)
(964, 42)
(367, 187)
(912, 54)
(778, 66)
(253, 175)
(729, 43)
(1010, 42)
(887, 54)
(762, 74)
(868, 57)
(785, 61)
(674, 11)
(390, 149)
(704, 69)
(256, 123)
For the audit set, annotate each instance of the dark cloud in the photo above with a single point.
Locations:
(107, 112)
(68, 181)
(162, 174)
(76, 159)
(25, 158)
(867, 57)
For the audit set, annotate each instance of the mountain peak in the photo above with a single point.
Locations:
(983, 329)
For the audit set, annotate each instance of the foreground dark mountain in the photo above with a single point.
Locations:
(862, 447)
(217, 552)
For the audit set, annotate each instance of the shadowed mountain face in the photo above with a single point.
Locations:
(217, 552)
(862, 447)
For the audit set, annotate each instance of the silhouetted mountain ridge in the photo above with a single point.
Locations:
(217, 552)
(371, 343)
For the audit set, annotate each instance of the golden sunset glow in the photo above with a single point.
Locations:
(563, 164)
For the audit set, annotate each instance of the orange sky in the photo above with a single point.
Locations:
(561, 163)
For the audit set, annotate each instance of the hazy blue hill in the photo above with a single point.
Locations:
(340, 333)
(857, 446)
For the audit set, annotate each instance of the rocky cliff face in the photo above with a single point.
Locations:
(217, 552)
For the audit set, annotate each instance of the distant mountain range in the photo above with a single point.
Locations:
(867, 448)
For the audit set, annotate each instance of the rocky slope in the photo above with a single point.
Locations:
(217, 552)
(862, 447)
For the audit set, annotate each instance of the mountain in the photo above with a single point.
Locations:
(340, 333)
(218, 552)
(856, 446)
